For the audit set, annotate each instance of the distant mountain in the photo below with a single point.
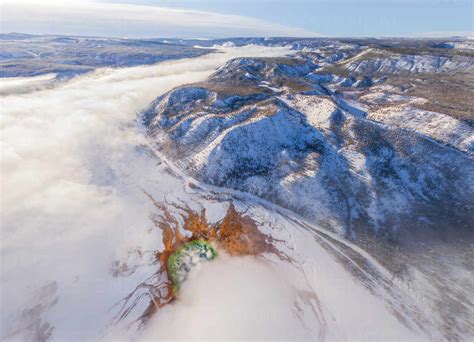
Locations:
(29, 55)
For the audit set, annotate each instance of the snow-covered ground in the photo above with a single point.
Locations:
(406, 63)
(440, 127)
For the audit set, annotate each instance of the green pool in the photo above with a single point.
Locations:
(185, 258)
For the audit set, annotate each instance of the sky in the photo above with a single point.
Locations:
(231, 18)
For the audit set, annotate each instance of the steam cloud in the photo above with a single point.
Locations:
(71, 198)
(231, 298)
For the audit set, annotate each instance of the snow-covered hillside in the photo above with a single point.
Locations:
(30, 55)
(373, 62)
(259, 126)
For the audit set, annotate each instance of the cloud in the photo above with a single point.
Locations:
(10, 85)
(127, 20)
(71, 174)
(209, 309)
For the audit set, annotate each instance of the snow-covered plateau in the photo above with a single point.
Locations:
(324, 188)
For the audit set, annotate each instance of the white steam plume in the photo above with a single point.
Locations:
(231, 298)
(71, 198)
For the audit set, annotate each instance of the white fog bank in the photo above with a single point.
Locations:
(71, 194)
(239, 298)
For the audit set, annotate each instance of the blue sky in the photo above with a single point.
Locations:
(347, 17)
(230, 18)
